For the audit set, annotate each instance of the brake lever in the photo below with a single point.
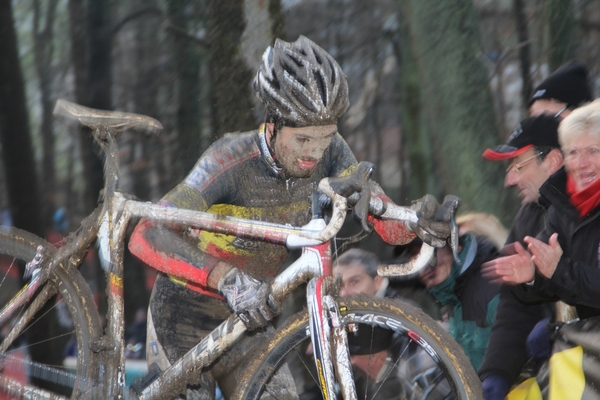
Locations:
(450, 206)
(454, 239)
(356, 183)
(361, 209)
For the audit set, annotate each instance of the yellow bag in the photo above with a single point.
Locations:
(573, 370)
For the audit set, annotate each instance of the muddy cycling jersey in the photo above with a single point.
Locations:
(237, 176)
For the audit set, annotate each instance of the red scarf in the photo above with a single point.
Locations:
(585, 200)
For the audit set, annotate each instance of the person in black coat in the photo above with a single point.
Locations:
(534, 154)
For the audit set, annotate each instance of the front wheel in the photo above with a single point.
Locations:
(397, 352)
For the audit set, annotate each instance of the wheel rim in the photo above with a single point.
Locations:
(52, 352)
(420, 369)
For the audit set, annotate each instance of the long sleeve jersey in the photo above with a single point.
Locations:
(237, 176)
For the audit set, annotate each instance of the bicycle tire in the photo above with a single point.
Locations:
(21, 375)
(288, 340)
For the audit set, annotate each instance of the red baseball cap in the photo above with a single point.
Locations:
(541, 130)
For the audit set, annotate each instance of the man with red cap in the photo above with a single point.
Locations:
(534, 154)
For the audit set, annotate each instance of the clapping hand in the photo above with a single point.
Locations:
(513, 269)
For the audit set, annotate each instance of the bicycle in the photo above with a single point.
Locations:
(329, 321)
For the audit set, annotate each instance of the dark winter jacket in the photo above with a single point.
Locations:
(576, 278)
(515, 317)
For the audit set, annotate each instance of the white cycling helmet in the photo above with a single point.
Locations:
(301, 84)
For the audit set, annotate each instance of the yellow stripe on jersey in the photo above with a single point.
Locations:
(262, 214)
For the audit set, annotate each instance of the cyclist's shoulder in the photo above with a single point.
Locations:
(229, 150)
(235, 143)
(223, 158)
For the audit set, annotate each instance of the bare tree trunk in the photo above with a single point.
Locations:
(79, 61)
(276, 13)
(44, 49)
(524, 51)
(561, 31)
(19, 163)
(420, 179)
(145, 96)
(458, 103)
(229, 74)
(98, 85)
(17, 151)
(186, 58)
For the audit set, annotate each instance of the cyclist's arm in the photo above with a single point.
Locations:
(164, 248)
(391, 231)
(343, 163)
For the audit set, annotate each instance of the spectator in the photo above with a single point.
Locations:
(562, 91)
(485, 225)
(470, 299)
(558, 95)
(358, 270)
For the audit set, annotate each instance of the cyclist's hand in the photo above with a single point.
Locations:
(433, 226)
(249, 298)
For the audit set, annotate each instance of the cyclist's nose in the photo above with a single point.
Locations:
(311, 152)
(344, 291)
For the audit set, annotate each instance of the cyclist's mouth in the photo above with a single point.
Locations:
(306, 164)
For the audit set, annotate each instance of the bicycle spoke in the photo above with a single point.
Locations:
(48, 373)
(33, 360)
(8, 271)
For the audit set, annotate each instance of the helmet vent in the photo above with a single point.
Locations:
(321, 85)
(296, 60)
(292, 71)
(333, 73)
(318, 57)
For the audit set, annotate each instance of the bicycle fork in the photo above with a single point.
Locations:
(329, 341)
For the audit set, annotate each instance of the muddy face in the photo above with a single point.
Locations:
(298, 150)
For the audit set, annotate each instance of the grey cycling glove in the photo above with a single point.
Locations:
(433, 226)
(249, 298)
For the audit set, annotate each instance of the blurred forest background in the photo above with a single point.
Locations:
(432, 84)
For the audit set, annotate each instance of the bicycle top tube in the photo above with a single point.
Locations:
(311, 234)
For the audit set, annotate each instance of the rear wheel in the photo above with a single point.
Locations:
(51, 355)
(397, 352)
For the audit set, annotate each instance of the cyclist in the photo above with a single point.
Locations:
(266, 174)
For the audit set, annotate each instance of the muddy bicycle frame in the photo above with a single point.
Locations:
(108, 223)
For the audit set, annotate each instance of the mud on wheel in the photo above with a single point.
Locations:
(397, 352)
(51, 355)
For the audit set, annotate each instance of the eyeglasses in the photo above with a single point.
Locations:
(517, 167)
(561, 111)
